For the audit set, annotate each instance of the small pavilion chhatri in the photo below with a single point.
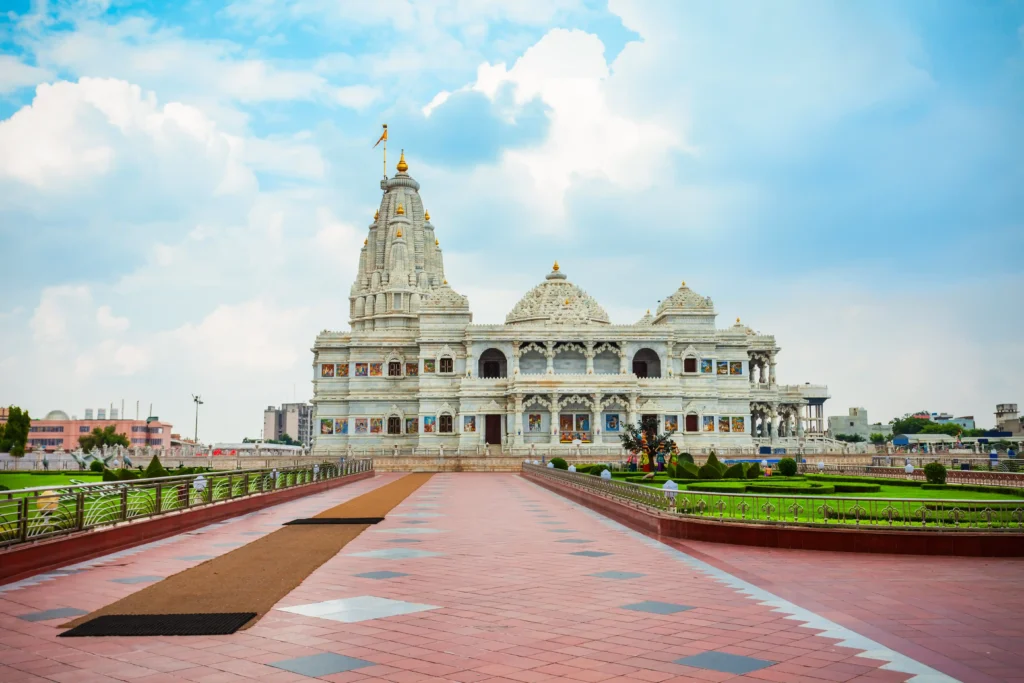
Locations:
(414, 372)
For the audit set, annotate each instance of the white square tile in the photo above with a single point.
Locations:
(362, 608)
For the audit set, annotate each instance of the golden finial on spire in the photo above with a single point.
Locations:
(402, 166)
(737, 321)
(426, 216)
(365, 242)
(400, 211)
(399, 233)
(555, 267)
(437, 242)
(376, 215)
(445, 282)
(684, 283)
(648, 312)
(566, 302)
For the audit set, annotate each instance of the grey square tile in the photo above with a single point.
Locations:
(655, 607)
(228, 545)
(323, 664)
(417, 521)
(396, 554)
(403, 540)
(562, 531)
(138, 579)
(362, 608)
(195, 558)
(253, 533)
(59, 613)
(724, 662)
(380, 575)
(590, 553)
(573, 540)
(618, 575)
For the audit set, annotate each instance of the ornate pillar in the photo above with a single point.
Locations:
(772, 429)
(595, 419)
(589, 353)
(515, 358)
(517, 428)
(771, 370)
(623, 361)
(553, 406)
(549, 353)
(762, 371)
(751, 364)
(670, 361)
(632, 408)
(469, 359)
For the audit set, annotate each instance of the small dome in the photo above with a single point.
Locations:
(402, 166)
(556, 301)
(685, 299)
(56, 415)
(646, 321)
(444, 298)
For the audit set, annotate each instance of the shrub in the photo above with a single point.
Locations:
(733, 472)
(125, 474)
(96, 466)
(787, 467)
(109, 475)
(685, 457)
(754, 471)
(865, 480)
(708, 471)
(559, 463)
(687, 470)
(791, 489)
(670, 469)
(713, 461)
(935, 473)
(718, 487)
(853, 487)
(155, 469)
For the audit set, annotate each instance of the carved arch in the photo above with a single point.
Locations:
(570, 346)
(615, 400)
(537, 400)
(575, 398)
(609, 347)
(532, 346)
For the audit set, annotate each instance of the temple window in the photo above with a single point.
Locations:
(444, 421)
(394, 425)
(446, 365)
(646, 363)
(396, 301)
(492, 364)
(394, 368)
(691, 422)
(689, 364)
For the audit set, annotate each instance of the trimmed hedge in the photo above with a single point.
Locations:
(687, 470)
(559, 463)
(787, 467)
(754, 471)
(733, 472)
(718, 487)
(863, 480)
(935, 473)
(684, 457)
(978, 488)
(806, 490)
(96, 466)
(855, 487)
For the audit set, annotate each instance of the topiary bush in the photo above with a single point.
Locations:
(733, 472)
(685, 457)
(714, 462)
(155, 469)
(109, 475)
(935, 473)
(754, 471)
(670, 469)
(125, 474)
(559, 463)
(687, 470)
(787, 467)
(96, 466)
(708, 471)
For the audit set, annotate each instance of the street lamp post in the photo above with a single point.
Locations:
(198, 401)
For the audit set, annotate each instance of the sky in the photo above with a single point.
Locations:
(184, 186)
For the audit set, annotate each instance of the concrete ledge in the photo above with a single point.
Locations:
(960, 543)
(23, 561)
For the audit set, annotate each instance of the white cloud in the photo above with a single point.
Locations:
(15, 74)
(356, 96)
(110, 322)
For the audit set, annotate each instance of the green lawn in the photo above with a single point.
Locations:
(24, 480)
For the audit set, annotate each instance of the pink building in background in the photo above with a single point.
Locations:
(57, 431)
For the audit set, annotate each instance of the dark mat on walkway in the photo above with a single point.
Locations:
(336, 520)
(214, 624)
(256, 576)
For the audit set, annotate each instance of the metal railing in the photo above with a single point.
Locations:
(953, 476)
(47, 511)
(916, 514)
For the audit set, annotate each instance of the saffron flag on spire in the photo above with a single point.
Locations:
(383, 136)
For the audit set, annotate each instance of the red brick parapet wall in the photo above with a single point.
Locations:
(22, 561)
(862, 540)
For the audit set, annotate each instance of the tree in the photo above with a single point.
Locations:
(102, 436)
(15, 433)
(644, 440)
(877, 438)
(909, 425)
(849, 438)
(950, 428)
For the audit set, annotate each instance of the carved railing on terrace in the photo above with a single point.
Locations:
(48, 511)
(913, 514)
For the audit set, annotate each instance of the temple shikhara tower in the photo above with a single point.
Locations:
(415, 374)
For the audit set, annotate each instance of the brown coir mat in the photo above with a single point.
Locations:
(256, 576)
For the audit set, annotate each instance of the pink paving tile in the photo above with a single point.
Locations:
(516, 605)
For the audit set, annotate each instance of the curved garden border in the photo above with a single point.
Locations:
(780, 534)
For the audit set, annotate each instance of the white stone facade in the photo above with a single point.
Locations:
(414, 373)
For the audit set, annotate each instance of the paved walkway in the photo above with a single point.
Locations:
(475, 577)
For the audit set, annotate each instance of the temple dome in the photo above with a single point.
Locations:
(685, 299)
(556, 301)
(56, 415)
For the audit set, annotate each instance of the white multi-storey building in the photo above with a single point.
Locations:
(414, 372)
